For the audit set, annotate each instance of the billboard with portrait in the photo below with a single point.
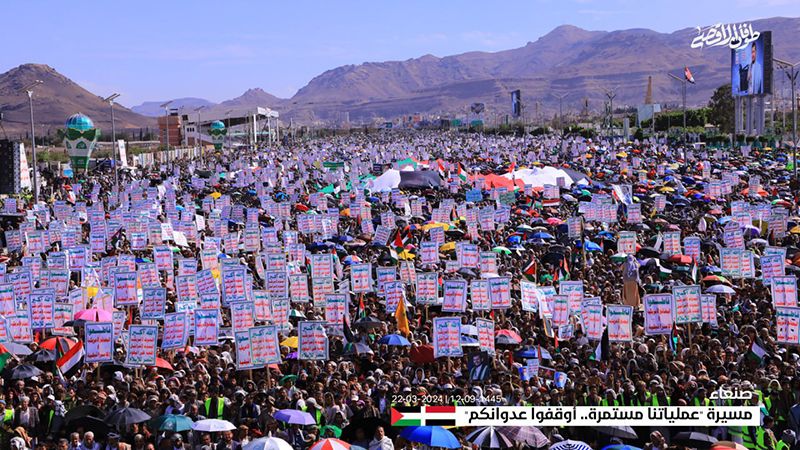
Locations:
(751, 67)
(516, 103)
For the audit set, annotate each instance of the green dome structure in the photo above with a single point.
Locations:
(79, 122)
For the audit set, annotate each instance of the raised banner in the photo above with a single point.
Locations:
(41, 304)
(687, 304)
(206, 327)
(175, 331)
(99, 342)
(658, 314)
(784, 291)
(447, 337)
(455, 296)
(361, 277)
(142, 345)
(592, 318)
(265, 346)
(154, 303)
(620, 320)
(312, 341)
(485, 335)
(788, 325)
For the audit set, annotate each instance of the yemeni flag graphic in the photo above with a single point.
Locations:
(688, 75)
(409, 416)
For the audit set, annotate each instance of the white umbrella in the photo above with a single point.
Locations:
(268, 443)
(490, 437)
(570, 445)
(213, 425)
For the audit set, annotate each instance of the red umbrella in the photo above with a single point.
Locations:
(162, 363)
(63, 343)
(680, 259)
(422, 354)
(301, 207)
(554, 221)
(508, 337)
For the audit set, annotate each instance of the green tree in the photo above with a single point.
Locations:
(721, 105)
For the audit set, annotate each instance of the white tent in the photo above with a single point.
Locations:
(539, 176)
(385, 182)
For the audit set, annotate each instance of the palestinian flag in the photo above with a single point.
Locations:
(530, 270)
(462, 174)
(4, 357)
(416, 416)
(756, 353)
(70, 362)
(440, 165)
(688, 75)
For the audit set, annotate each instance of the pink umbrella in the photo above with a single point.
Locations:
(554, 221)
(330, 444)
(94, 315)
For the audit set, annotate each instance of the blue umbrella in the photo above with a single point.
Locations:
(432, 436)
(592, 247)
(294, 416)
(395, 340)
(620, 447)
(542, 235)
(173, 422)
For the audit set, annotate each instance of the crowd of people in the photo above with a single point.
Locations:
(212, 203)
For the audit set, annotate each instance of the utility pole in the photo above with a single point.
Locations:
(166, 123)
(29, 90)
(683, 95)
(610, 94)
(791, 72)
(560, 98)
(114, 151)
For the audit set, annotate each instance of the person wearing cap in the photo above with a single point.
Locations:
(787, 440)
(114, 443)
(178, 444)
(312, 407)
(8, 413)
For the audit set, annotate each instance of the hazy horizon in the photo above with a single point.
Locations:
(151, 51)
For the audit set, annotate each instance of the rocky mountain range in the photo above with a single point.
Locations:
(585, 65)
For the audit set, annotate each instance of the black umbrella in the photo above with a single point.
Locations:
(82, 411)
(369, 425)
(648, 252)
(694, 439)
(367, 323)
(42, 356)
(622, 432)
(25, 371)
(98, 426)
(124, 417)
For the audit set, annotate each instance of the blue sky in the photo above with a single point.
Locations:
(154, 50)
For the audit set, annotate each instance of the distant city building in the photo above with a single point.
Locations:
(173, 122)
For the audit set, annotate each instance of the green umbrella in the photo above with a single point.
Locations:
(172, 422)
(286, 378)
(619, 257)
(501, 249)
(337, 432)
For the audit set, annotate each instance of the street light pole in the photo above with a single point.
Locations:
(611, 94)
(166, 123)
(560, 98)
(791, 72)
(199, 139)
(29, 90)
(683, 92)
(114, 151)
